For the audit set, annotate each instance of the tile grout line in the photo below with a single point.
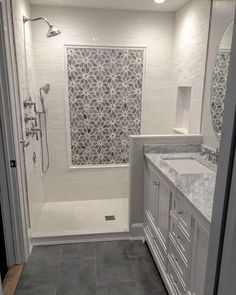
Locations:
(59, 269)
(115, 282)
(95, 264)
(134, 278)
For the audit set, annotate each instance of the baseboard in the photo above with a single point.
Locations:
(137, 230)
(136, 233)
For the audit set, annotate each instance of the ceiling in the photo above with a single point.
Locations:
(142, 5)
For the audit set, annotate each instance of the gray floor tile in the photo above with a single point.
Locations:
(110, 269)
(77, 277)
(83, 251)
(119, 268)
(114, 249)
(47, 254)
(38, 278)
(137, 248)
(147, 277)
(121, 288)
(112, 262)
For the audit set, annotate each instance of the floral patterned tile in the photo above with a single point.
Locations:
(105, 102)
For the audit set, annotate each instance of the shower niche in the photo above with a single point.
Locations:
(183, 109)
(105, 90)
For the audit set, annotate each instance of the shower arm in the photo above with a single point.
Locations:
(26, 19)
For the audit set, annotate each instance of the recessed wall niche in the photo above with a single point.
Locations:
(183, 109)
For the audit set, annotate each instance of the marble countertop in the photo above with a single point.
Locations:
(197, 188)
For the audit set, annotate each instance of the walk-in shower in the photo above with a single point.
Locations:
(83, 136)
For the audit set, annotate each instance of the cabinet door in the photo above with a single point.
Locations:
(151, 186)
(199, 259)
(163, 210)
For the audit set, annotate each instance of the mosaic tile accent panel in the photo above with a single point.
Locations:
(105, 102)
(218, 89)
(210, 154)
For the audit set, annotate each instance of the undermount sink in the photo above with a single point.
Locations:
(187, 166)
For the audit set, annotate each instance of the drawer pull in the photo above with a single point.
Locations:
(154, 238)
(177, 237)
(180, 212)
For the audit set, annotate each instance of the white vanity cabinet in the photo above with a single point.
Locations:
(177, 236)
(157, 208)
(198, 259)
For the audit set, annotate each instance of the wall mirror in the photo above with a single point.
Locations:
(219, 80)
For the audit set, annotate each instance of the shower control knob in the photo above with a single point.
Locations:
(28, 103)
(24, 143)
(29, 118)
(32, 132)
(27, 132)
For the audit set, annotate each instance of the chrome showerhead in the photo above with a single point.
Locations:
(52, 32)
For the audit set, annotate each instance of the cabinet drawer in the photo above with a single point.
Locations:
(181, 213)
(156, 244)
(181, 240)
(180, 264)
(178, 286)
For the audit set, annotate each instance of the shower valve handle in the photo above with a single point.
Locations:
(34, 131)
(30, 118)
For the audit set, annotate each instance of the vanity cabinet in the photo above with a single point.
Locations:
(176, 235)
(157, 204)
(199, 259)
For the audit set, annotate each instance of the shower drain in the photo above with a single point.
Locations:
(110, 217)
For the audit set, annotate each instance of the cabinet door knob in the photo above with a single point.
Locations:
(155, 182)
(180, 212)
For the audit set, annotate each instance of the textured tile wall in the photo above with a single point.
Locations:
(105, 28)
(165, 38)
(191, 36)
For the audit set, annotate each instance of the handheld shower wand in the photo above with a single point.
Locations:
(44, 90)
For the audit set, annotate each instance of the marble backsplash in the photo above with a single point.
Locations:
(171, 148)
(208, 153)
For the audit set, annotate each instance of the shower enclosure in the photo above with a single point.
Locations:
(77, 128)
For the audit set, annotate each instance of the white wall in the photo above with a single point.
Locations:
(191, 36)
(155, 31)
(222, 16)
(34, 175)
